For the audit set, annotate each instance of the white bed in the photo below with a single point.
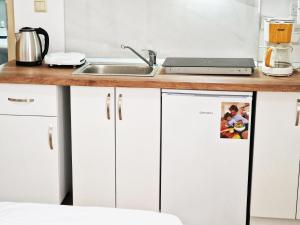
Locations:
(42, 214)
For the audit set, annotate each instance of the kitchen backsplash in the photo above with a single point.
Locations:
(214, 28)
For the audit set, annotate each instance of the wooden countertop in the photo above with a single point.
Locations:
(10, 73)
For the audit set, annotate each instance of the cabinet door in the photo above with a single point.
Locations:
(29, 159)
(93, 146)
(138, 148)
(276, 156)
(298, 200)
(204, 177)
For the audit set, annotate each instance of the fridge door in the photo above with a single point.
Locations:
(204, 177)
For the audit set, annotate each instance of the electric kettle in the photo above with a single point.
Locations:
(29, 50)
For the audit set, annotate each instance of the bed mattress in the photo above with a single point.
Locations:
(42, 214)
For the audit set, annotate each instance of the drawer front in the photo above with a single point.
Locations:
(19, 99)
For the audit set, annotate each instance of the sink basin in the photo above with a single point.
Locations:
(140, 70)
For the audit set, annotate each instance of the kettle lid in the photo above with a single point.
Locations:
(27, 29)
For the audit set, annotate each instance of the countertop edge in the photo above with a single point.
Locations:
(10, 73)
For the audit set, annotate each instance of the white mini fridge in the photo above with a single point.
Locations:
(205, 156)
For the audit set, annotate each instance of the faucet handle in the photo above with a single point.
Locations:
(151, 52)
(152, 56)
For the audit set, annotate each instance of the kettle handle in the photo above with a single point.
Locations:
(45, 34)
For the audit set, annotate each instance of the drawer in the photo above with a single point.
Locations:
(23, 99)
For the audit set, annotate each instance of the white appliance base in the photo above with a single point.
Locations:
(65, 59)
(278, 72)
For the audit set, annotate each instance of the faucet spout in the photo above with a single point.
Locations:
(152, 55)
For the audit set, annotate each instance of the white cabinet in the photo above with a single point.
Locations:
(276, 156)
(29, 167)
(204, 177)
(138, 148)
(34, 151)
(298, 199)
(116, 146)
(93, 146)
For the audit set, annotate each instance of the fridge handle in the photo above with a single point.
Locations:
(120, 106)
(108, 106)
(207, 95)
(50, 137)
(298, 113)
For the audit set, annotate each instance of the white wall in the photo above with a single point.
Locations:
(198, 28)
(100, 45)
(52, 21)
(278, 8)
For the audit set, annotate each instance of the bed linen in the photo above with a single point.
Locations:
(43, 214)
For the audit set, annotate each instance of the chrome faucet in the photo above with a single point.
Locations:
(152, 55)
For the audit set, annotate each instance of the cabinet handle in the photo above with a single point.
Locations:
(108, 106)
(120, 106)
(23, 100)
(298, 113)
(50, 137)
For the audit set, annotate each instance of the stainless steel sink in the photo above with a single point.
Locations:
(140, 70)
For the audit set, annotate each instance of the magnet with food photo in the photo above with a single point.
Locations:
(235, 120)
